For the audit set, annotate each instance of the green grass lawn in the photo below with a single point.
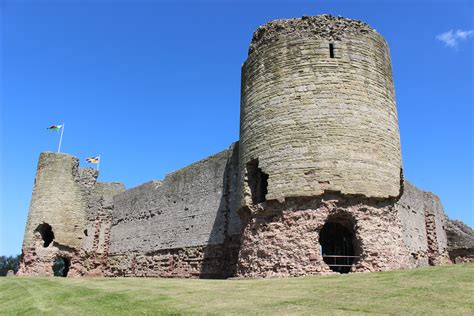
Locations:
(435, 290)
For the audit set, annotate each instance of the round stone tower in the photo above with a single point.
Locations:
(318, 112)
(57, 215)
(320, 167)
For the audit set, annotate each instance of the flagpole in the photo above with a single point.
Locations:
(61, 138)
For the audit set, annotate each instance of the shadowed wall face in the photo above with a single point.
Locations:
(185, 225)
(318, 110)
(188, 208)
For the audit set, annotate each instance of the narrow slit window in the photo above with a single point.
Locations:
(331, 50)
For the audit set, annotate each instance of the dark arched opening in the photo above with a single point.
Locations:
(338, 246)
(46, 232)
(61, 266)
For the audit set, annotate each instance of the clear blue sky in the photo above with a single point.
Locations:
(153, 86)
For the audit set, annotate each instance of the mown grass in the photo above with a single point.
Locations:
(446, 290)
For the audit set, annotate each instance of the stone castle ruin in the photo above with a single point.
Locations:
(313, 186)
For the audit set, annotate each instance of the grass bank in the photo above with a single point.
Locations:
(447, 290)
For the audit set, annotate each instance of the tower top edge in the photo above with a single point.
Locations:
(324, 26)
(56, 154)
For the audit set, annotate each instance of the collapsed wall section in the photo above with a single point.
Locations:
(181, 226)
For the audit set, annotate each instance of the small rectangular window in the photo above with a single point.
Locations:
(331, 50)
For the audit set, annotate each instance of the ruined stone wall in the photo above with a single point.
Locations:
(460, 241)
(317, 123)
(212, 261)
(60, 199)
(99, 216)
(411, 207)
(97, 230)
(435, 229)
(180, 219)
(423, 224)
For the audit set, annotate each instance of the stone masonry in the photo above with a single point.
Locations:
(313, 186)
(185, 225)
(318, 109)
(460, 241)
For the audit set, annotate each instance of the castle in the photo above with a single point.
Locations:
(313, 186)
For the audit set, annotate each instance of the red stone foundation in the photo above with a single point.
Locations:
(282, 239)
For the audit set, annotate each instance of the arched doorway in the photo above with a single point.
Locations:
(339, 246)
(61, 266)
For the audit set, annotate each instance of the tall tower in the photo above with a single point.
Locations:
(318, 112)
(320, 167)
(57, 215)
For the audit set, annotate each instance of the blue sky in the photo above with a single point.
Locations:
(153, 86)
